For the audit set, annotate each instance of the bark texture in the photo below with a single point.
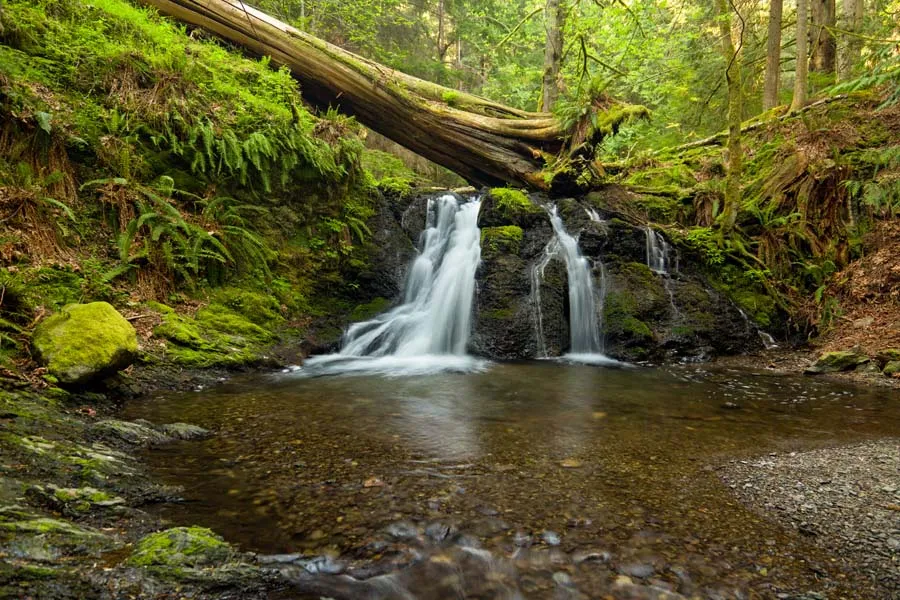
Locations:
(824, 49)
(801, 78)
(848, 52)
(731, 53)
(773, 56)
(554, 17)
(485, 142)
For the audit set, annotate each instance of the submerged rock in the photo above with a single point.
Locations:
(834, 362)
(85, 342)
(138, 434)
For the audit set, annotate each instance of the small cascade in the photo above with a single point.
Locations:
(433, 323)
(658, 251)
(551, 251)
(593, 215)
(767, 340)
(584, 326)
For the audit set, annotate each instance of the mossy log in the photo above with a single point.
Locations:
(485, 142)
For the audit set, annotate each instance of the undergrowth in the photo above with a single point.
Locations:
(139, 162)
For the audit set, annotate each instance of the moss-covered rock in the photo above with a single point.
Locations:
(892, 368)
(506, 238)
(138, 434)
(217, 336)
(887, 355)
(28, 535)
(181, 547)
(512, 203)
(74, 501)
(834, 362)
(85, 342)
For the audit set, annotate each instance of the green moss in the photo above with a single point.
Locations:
(659, 208)
(501, 314)
(507, 238)
(891, 368)
(366, 311)
(450, 98)
(180, 547)
(215, 336)
(85, 341)
(673, 177)
(619, 320)
(833, 362)
(511, 204)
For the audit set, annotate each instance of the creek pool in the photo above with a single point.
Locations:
(574, 474)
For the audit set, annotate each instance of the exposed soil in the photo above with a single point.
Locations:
(868, 291)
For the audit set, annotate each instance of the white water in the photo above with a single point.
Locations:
(657, 251)
(593, 215)
(584, 326)
(551, 250)
(429, 331)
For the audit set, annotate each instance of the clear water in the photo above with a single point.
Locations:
(616, 463)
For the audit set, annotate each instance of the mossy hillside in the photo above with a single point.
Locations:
(85, 341)
(811, 187)
(170, 162)
(216, 336)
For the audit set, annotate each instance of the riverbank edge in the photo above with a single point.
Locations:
(74, 486)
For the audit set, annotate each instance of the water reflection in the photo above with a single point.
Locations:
(620, 461)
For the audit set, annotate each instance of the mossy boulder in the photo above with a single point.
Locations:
(74, 501)
(506, 206)
(85, 342)
(181, 547)
(887, 356)
(835, 362)
(892, 368)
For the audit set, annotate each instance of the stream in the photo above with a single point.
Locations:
(556, 477)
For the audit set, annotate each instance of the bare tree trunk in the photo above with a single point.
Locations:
(824, 49)
(773, 56)
(485, 142)
(731, 53)
(554, 18)
(854, 11)
(441, 49)
(801, 78)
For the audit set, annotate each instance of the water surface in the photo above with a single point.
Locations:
(542, 463)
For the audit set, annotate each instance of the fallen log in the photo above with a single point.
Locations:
(485, 142)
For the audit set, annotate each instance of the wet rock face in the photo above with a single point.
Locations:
(645, 315)
(522, 305)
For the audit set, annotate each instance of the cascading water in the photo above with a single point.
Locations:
(657, 251)
(584, 326)
(551, 250)
(429, 330)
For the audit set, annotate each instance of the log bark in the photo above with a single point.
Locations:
(485, 142)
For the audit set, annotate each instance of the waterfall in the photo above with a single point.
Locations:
(584, 326)
(593, 215)
(551, 251)
(430, 329)
(657, 251)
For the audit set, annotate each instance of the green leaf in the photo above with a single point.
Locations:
(43, 121)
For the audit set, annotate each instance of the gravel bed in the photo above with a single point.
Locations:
(846, 498)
